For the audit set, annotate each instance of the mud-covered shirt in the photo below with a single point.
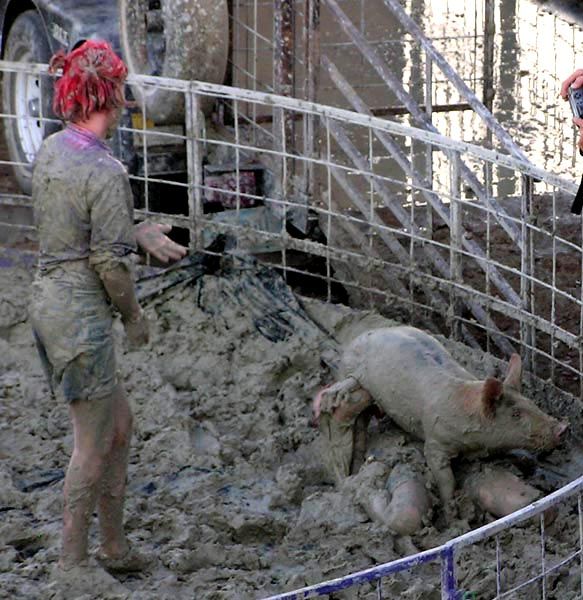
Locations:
(82, 202)
(84, 213)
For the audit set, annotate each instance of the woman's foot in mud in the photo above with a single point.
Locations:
(71, 581)
(131, 561)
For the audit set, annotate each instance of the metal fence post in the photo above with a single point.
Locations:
(283, 61)
(428, 98)
(312, 77)
(489, 33)
(448, 582)
(194, 163)
(283, 80)
(526, 270)
(456, 232)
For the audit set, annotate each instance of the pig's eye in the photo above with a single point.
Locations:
(516, 414)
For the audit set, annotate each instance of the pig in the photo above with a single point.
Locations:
(416, 382)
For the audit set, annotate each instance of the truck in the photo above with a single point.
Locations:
(184, 39)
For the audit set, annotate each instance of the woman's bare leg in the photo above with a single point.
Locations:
(93, 435)
(111, 499)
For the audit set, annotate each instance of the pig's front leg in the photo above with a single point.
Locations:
(439, 461)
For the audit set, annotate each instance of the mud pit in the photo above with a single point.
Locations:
(226, 485)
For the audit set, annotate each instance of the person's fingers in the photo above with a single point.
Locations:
(163, 227)
(580, 142)
(576, 78)
(176, 251)
(578, 121)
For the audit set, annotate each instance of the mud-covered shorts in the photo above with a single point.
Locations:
(72, 325)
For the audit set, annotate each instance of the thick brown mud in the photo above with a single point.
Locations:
(226, 487)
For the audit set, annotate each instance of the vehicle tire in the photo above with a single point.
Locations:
(181, 39)
(26, 96)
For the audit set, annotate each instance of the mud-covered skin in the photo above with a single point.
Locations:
(419, 385)
(84, 213)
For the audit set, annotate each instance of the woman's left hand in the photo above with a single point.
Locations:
(152, 238)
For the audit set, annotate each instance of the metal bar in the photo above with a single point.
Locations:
(428, 92)
(194, 162)
(448, 580)
(489, 37)
(498, 569)
(20, 201)
(543, 556)
(525, 266)
(456, 232)
(283, 74)
(580, 519)
(312, 45)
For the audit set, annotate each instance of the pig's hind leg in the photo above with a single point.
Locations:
(337, 409)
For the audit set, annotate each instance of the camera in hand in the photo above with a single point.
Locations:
(576, 101)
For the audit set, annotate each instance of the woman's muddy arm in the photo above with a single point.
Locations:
(119, 285)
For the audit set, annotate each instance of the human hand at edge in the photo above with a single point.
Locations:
(152, 238)
(579, 123)
(575, 79)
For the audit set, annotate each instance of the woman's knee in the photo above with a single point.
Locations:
(123, 420)
(89, 463)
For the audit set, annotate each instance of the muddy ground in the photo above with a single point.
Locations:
(226, 488)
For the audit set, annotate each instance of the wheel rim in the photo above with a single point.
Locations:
(27, 103)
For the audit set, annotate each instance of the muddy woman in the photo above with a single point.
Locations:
(84, 213)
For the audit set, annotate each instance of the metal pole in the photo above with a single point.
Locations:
(526, 332)
(194, 162)
(428, 93)
(448, 582)
(312, 61)
(283, 123)
(283, 63)
(455, 245)
(489, 33)
(488, 82)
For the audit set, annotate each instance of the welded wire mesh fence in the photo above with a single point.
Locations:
(407, 221)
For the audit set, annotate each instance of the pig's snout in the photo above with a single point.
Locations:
(559, 431)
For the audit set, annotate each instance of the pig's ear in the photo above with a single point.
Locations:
(491, 393)
(514, 372)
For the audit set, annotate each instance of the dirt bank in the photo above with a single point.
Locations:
(226, 485)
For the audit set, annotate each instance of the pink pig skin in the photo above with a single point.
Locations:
(417, 383)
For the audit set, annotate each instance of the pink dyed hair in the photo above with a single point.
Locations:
(92, 80)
